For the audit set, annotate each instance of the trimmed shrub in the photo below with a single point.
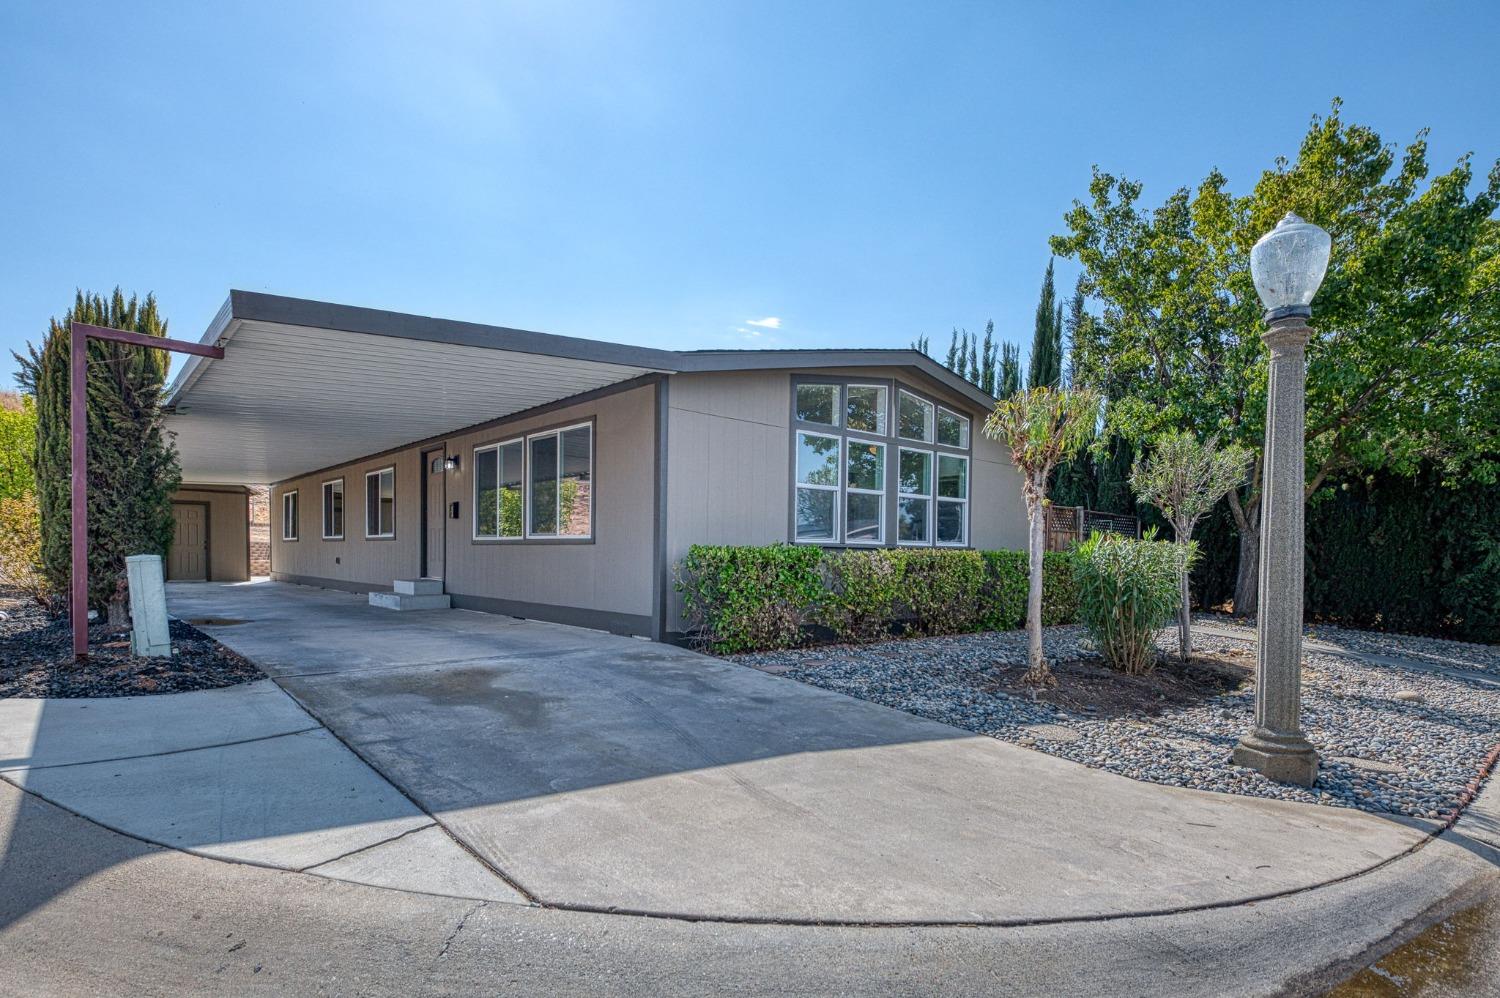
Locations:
(21, 548)
(1127, 591)
(749, 598)
(1059, 589)
(860, 589)
(1005, 582)
(942, 591)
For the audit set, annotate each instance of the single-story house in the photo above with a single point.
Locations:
(561, 478)
(210, 534)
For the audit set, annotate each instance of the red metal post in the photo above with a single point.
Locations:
(78, 430)
(79, 333)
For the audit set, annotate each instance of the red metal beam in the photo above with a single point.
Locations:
(79, 333)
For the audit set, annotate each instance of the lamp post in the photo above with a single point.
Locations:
(1288, 264)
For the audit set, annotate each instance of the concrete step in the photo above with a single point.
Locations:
(418, 587)
(411, 601)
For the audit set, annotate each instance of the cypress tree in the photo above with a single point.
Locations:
(987, 361)
(1010, 370)
(952, 362)
(132, 466)
(973, 374)
(1045, 366)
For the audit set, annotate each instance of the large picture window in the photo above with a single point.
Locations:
(380, 503)
(333, 510)
(499, 488)
(560, 482)
(877, 464)
(289, 515)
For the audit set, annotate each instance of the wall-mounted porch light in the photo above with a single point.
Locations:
(450, 463)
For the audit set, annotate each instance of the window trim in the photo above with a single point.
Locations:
(368, 475)
(931, 426)
(556, 431)
(929, 495)
(474, 453)
(323, 509)
(837, 407)
(837, 488)
(964, 502)
(293, 521)
(885, 414)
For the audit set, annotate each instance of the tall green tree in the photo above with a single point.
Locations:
(987, 362)
(1044, 369)
(1010, 371)
(1406, 350)
(132, 467)
(17, 445)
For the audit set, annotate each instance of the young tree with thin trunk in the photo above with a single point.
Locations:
(1185, 479)
(1042, 427)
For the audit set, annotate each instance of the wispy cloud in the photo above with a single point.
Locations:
(769, 322)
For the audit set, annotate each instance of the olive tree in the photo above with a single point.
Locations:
(1042, 427)
(1185, 478)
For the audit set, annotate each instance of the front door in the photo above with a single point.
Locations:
(434, 513)
(188, 560)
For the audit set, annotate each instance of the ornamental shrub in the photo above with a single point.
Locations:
(860, 589)
(21, 548)
(1059, 589)
(749, 598)
(1003, 606)
(1127, 590)
(942, 591)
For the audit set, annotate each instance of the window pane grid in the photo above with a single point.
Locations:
(559, 483)
(333, 510)
(380, 503)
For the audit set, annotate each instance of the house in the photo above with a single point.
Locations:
(561, 478)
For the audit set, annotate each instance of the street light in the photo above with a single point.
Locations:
(1287, 264)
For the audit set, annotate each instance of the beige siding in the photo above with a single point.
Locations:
(228, 523)
(729, 464)
(612, 574)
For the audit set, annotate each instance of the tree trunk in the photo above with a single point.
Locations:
(1247, 579)
(1184, 620)
(1037, 672)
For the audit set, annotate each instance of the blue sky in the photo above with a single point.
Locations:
(661, 173)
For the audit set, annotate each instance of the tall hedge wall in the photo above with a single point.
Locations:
(780, 595)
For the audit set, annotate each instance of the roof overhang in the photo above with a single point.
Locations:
(306, 385)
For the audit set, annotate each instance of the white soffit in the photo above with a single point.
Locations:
(286, 400)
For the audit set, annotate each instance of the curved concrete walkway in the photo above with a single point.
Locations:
(603, 773)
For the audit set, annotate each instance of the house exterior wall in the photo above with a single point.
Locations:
(607, 581)
(729, 447)
(228, 526)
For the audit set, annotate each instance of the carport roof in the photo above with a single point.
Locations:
(306, 384)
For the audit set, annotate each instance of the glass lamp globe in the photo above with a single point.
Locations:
(1288, 264)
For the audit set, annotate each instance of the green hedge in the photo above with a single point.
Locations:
(757, 598)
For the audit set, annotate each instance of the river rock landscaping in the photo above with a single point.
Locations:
(36, 659)
(1393, 740)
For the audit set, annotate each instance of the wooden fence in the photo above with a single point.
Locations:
(1067, 525)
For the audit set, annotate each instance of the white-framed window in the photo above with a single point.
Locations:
(380, 503)
(818, 403)
(866, 408)
(333, 510)
(560, 483)
(952, 429)
(499, 490)
(952, 500)
(914, 417)
(289, 515)
(864, 492)
(816, 497)
(914, 497)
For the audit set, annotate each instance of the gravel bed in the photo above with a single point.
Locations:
(36, 659)
(1436, 651)
(1392, 740)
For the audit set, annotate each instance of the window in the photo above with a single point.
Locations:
(865, 409)
(864, 497)
(952, 429)
(818, 404)
(499, 484)
(914, 420)
(952, 500)
(289, 515)
(914, 497)
(380, 503)
(559, 482)
(333, 510)
(817, 488)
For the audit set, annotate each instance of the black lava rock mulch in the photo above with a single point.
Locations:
(36, 659)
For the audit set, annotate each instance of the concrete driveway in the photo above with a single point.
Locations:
(606, 773)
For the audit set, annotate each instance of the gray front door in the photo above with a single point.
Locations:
(434, 514)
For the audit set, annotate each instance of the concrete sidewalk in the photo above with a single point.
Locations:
(241, 774)
(603, 773)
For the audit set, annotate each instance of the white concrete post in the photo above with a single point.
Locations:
(148, 606)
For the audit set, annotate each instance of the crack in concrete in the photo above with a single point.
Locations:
(167, 752)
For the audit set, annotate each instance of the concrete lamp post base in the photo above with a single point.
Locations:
(1283, 758)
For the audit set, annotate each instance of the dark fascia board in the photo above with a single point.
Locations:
(761, 360)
